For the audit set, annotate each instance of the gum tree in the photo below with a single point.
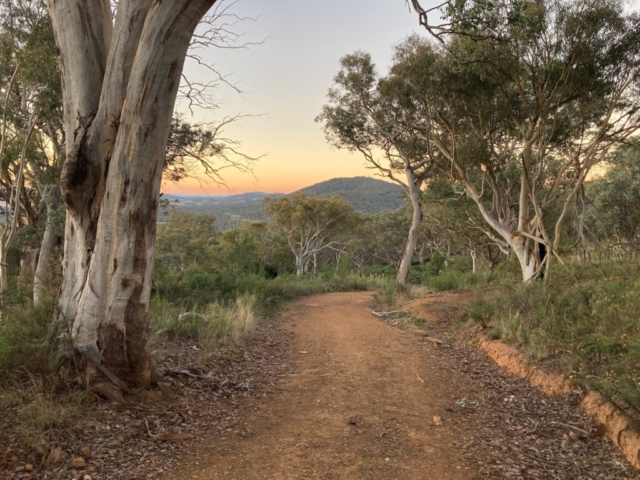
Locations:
(519, 101)
(370, 115)
(308, 225)
(120, 80)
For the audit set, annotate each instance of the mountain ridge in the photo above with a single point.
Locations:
(365, 194)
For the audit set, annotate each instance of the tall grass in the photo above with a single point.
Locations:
(228, 324)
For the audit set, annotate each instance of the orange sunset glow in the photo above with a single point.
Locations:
(284, 78)
(284, 172)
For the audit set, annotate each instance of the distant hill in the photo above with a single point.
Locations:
(366, 195)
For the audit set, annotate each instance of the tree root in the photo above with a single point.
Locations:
(109, 391)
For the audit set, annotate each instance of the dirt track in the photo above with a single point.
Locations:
(360, 404)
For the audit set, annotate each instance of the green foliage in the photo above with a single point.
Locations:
(184, 240)
(418, 322)
(26, 36)
(614, 213)
(454, 218)
(455, 280)
(480, 312)
(30, 236)
(382, 238)
(445, 282)
(28, 340)
(586, 319)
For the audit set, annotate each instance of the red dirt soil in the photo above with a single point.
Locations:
(361, 404)
(364, 399)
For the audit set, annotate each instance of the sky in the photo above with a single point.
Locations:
(284, 80)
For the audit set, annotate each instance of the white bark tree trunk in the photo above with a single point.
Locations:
(526, 258)
(524, 248)
(474, 260)
(300, 261)
(414, 230)
(43, 278)
(120, 85)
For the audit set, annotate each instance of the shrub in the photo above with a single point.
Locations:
(25, 332)
(480, 312)
(387, 295)
(447, 280)
(455, 280)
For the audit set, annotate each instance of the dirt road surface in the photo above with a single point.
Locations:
(368, 400)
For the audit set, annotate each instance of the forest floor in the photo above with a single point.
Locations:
(370, 399)
(326, 391)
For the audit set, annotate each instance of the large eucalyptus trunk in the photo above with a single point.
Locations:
(525, 248)
(414, 185)
(120, 82)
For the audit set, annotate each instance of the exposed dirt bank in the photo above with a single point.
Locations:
(612, 423)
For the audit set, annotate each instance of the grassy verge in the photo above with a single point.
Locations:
(584, 319)
(32, 346)
(215, 320)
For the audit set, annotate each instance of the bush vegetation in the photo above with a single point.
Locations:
(28, 339)
(585, 319)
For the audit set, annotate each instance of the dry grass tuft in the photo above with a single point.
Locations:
(227, 324)
(39, 411)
